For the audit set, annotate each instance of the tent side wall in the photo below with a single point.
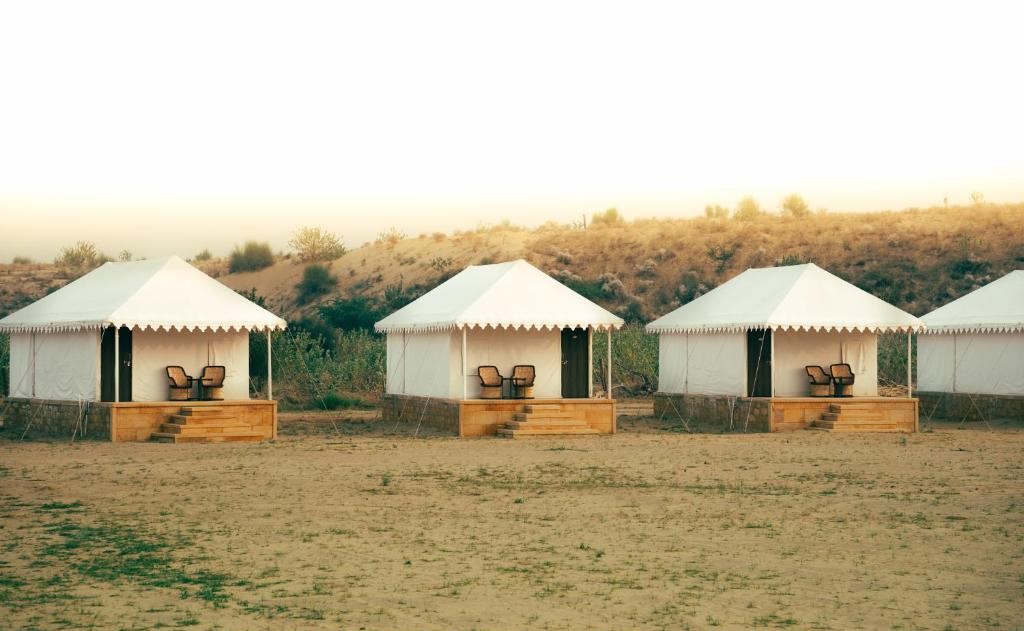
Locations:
(153, 351)
(419, 364)
(672, 362)
(977, 363)
(505, 348)
(794, 350)
(706, 363)
(936, 360)
(55, 366)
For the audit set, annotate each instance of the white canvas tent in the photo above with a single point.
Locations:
(715, 345)
(501, 315)
(176, 315)
(975, 344)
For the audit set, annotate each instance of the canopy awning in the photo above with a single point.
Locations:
(512, 295)
(791, 298)
(165, 293)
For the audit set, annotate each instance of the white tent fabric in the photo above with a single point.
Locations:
(153, 351)
(56, 366)
(511, 295)
(816, 319)
(165, 293)
(511, 313)
(792, 298)
(995, 308)
(975, 344)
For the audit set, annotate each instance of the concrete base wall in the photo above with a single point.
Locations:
(41, 418)
(957, 406)
(441, 414)
(727, 412)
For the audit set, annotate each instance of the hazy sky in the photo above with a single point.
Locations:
(170, 127)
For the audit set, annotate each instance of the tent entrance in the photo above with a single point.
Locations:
(575, 363)
(759, 364)
(107, 359)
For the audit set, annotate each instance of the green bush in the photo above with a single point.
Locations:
(21, 260)
(350, 314)
(634, 360)
(202, 256)
(317, 281)
(251, 257)
(610, 217)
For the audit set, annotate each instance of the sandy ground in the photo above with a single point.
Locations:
(647, 529)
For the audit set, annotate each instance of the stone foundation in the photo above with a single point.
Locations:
(727, 412)
(55, 419)
(957, 406)
(442, 414)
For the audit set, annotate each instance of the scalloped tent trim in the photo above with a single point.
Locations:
(963, 330)
(495, 326)
(740, 328)
(92, 326)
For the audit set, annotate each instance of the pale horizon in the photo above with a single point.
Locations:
(202, 125)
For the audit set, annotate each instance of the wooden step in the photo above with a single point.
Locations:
(251, 437)
(546, 424)
(517, 433)
(181, 419)
(529, 416)
(205, 430)
(206, 410)
(533, 408)
(858, 425)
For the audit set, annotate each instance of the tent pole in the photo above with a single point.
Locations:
(609, 388)
(465, 391)
(117, 364)
(270, 370)
(772, 333)
(910, 394)
(590, 361)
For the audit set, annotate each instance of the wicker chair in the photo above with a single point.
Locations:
(179, 383)
(522, 381)
(490, 382)
(211, 383)
(842, 376)
(821, 381)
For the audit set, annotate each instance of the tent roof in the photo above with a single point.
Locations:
(165, 293)
(505, 295)
(998, 307)
(796, 297)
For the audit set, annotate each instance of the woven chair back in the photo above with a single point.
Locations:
(489, 376)
(818, 375)
(523, 375)
(176, 376)
(213, 376)
(842, 371)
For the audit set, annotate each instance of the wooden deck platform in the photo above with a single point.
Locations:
(168, 421)
(485, 417)
(845, 414)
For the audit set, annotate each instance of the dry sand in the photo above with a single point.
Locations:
(643, 530)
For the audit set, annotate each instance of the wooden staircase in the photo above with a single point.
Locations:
(854, 417)
(206, 424)
(539, 419)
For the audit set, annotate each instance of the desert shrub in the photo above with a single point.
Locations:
(441, 263)
(791, 259)
(317, 281)
(747, 209)
(251, 257)
(610, 217)
(390, 237)
(691, 287)
(716, 212)
(21, 260)
(648, 269)
(203, 256)
(83, 256)
(795, 206)
(125, 256)
(634, 360)
(438, 237)
(968, 266)
(722, 255)
(564, 258)
(316, 244)
(589, 289)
